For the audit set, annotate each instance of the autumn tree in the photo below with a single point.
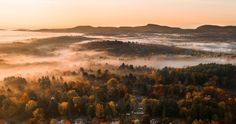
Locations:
(100, 113)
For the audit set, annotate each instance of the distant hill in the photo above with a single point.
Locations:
(22, 30)
(214, 32)
(204, 32)
(149, 28)
(215, 28)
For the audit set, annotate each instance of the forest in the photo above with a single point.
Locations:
(127, 94)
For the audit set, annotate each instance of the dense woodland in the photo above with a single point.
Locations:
(202, 94)
(120, 48)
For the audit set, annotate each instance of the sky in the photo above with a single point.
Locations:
(35, 14)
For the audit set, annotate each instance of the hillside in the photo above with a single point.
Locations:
(204, 32)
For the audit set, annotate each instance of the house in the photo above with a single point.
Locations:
(81, 121)
(55, 121)
(127, 114)
(154, 121)
(64, 121)
(139, 111)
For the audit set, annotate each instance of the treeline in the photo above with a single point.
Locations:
(219, 75)
(199, 94)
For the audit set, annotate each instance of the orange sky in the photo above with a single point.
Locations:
(68, 13)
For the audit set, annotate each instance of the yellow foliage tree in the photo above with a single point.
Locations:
(63, 108)
(112, 105)
(99, 110)
(31, 105)
(112, 83)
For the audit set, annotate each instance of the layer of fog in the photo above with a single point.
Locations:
(177, 40)
(67, 59)
(25, 36)
(71, 60)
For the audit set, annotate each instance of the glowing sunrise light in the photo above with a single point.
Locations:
(69, 13)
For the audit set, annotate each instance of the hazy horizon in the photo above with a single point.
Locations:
(35, 14)
(173, 26)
